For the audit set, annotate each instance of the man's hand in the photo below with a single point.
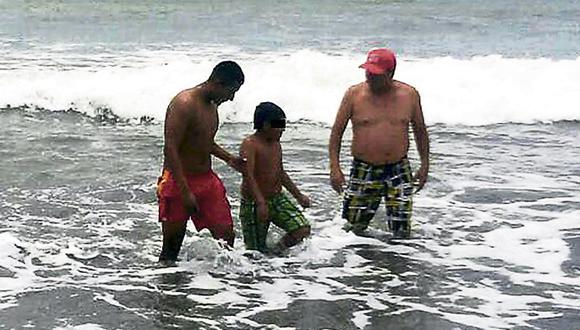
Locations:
(262, 208)
(337, 180)
(421, 177)
(304, 200)
(237, 163)
(190, 203)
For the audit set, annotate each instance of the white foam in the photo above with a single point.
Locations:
(308, 84)
(16, 262)
(87, 326)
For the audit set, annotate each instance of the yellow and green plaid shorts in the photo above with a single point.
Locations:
(368, 184)
(282, 212)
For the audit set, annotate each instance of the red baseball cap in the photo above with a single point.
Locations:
(380, 61)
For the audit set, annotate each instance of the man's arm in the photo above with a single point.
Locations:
(221, 153)
(176, 122)
(422, 141)
(236, 163)
(342, 118)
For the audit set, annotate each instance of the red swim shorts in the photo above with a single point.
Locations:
(210, 193)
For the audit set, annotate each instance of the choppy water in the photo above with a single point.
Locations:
(83, 90)
(496, 237)
(421, 28)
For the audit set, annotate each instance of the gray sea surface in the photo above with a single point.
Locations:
(421, 28)
(495, 241)
(83, 90)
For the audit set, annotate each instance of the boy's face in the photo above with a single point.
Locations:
(274, 130)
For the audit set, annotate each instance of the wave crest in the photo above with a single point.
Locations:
(309, 85)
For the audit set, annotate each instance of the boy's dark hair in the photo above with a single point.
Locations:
(227, 73)
(267, 112)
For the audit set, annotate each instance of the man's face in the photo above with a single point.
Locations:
(379, 81)
(226, 93)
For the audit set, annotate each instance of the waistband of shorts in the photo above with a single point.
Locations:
(360, 162)
(269, 199)
(167, 174)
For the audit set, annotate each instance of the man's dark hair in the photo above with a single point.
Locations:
(227, 73)
(266, 112)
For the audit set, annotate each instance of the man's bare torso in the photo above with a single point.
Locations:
(380, 123)
(268, 168)
(202, 124)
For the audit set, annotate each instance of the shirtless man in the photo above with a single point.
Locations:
(262, 198)
(380, 110)
(188, 188)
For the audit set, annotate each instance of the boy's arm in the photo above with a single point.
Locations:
(287, 183)
(248, 150)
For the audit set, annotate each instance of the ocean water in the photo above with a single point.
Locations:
(496, 237)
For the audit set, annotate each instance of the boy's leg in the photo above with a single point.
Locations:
(253, 230)
(294, 237)
(287, 216)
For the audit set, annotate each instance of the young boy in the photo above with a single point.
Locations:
(262, 198)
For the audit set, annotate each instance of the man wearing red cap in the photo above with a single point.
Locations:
(380, 110)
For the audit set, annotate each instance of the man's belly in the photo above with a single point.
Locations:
(380, 147)
(193, 164)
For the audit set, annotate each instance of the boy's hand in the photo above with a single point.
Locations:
(304, 201)
(262, 208)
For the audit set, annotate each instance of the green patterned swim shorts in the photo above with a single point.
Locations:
(368, 184)
(282, 212)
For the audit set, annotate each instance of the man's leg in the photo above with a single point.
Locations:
(224, 232)
(399, 200)
(173, 218)
(173, 234)
(362, 196)
(359, 209)
(215, 211)
(399, 217)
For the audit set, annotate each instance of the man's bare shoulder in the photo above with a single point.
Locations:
(356, 89)
(185, 102)
(405, 88)
(354, 92)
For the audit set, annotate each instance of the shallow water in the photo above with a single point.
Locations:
(496, 238)
(495, 242)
